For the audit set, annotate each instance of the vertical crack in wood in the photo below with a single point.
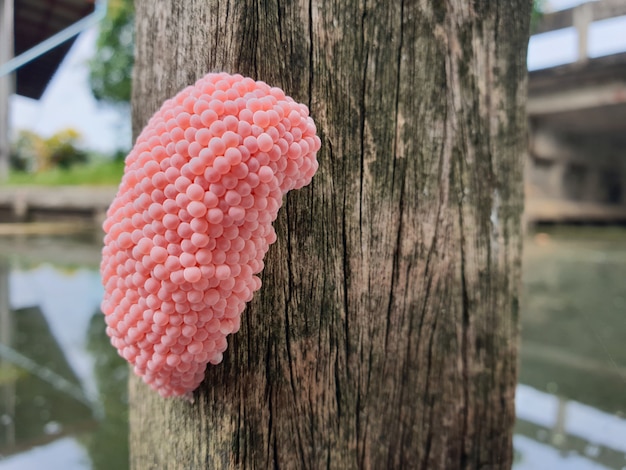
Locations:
(362, 116)
(311, 62)
(238, 440)
(465, 327)
(346, 279)
(429, 414)
(288, 344)
(256, 21)
(270, 456)
(358, 434)
(279, 20)
(398, 131)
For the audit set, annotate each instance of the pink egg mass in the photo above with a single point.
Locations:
(188, 229)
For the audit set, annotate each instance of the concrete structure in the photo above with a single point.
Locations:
(59, 203)
(576, 169)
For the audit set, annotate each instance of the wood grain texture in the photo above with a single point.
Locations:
(385, 334)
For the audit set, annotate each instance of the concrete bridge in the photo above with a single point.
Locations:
(576, 170)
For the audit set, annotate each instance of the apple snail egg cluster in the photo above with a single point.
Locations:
(192, 220)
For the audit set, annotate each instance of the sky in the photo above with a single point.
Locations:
(68, 102)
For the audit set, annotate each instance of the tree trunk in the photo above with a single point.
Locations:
(385, 334)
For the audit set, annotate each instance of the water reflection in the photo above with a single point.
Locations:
(63, 388)
(571, 399)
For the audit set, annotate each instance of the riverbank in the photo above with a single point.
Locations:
(80, 204)
(88, 205)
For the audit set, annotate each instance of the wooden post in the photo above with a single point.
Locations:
(6, 54)
(385, 334)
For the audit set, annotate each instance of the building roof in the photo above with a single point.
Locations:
(34, 22)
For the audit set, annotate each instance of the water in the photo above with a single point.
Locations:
(63, 401)
(571, 400)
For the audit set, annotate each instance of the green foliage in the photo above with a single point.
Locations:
(25, 150)
(9, 374)
(538, 6)
(57, 161)
(111, 67)
(31, 152)
(97, 173)
(62, 150)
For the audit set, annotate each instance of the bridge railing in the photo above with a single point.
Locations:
(581, 17)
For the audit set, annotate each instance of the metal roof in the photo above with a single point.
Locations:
(34, 22)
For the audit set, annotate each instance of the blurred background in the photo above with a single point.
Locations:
(65, 130)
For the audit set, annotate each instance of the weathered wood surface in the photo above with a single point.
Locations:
(385, 334)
